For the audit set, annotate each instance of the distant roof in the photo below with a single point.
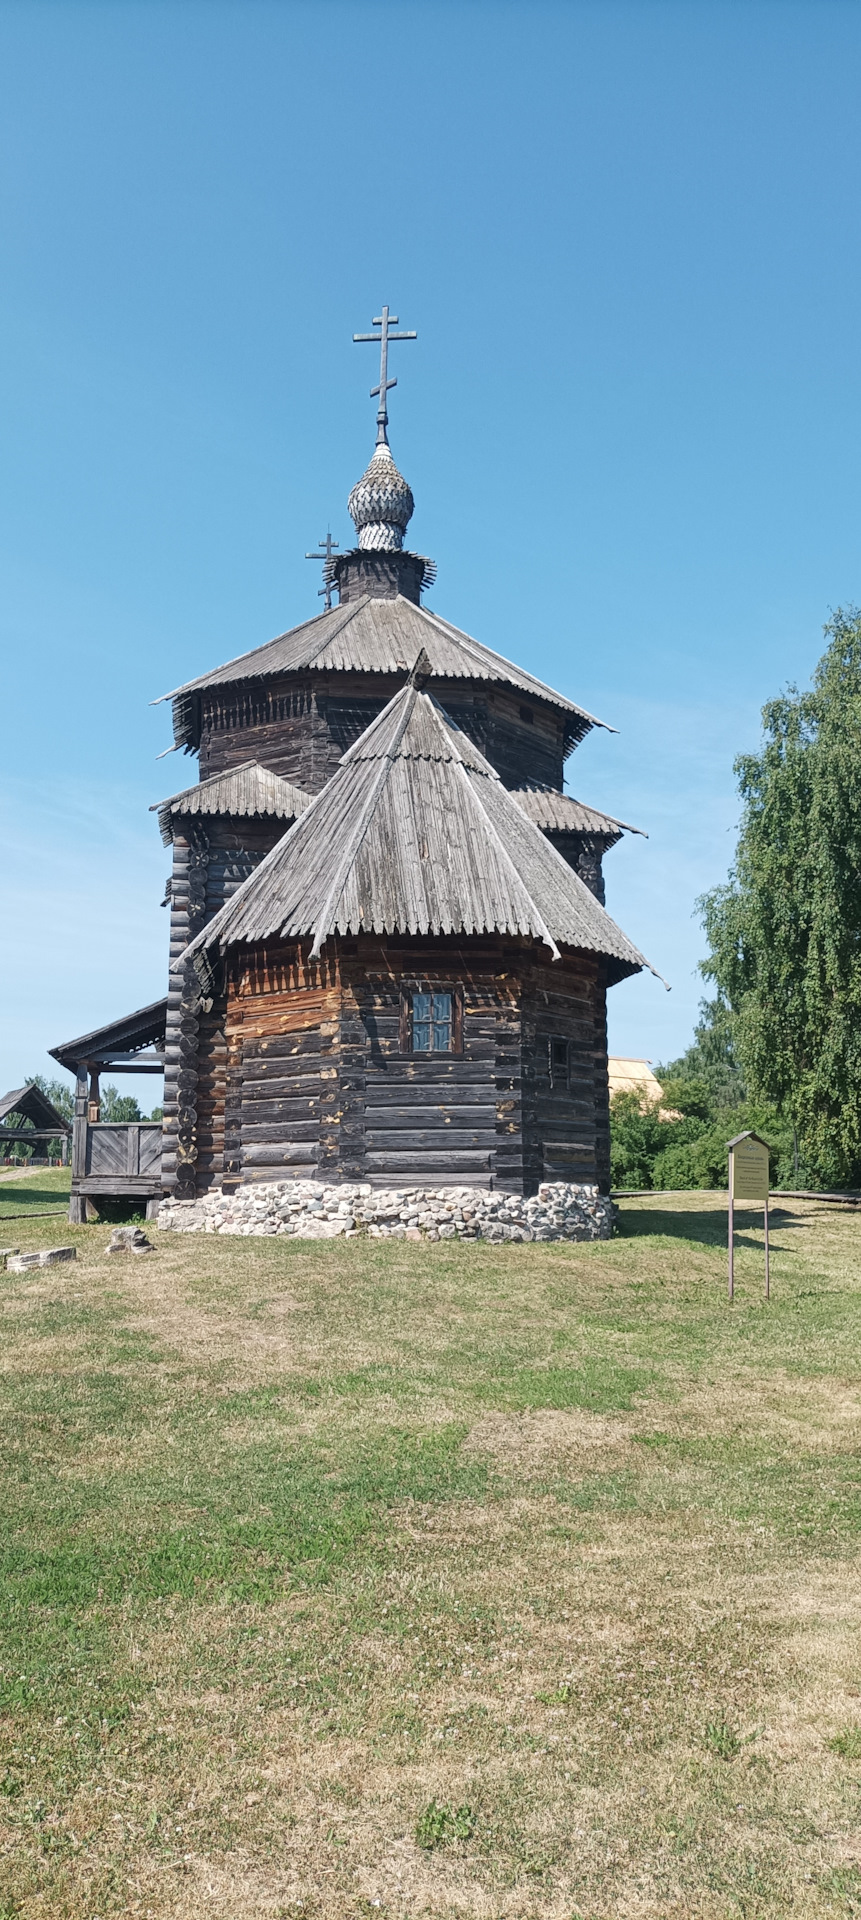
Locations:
(633, 1076)
(243, 791)
(636, 1076)
(121, 1038)
(34, 1105)
(561, 813)
(371, 635)
(415, 833)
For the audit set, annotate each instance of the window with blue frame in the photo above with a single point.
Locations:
(432, 1022)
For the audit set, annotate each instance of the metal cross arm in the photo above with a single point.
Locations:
(326, 552)
(386, 321)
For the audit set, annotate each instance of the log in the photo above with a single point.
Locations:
(382, 1095)
(285, 1156)
(284, 1112)
(420, 1165)
(300, 1130)
(401, 1140)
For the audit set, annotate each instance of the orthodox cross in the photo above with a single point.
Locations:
(324, 551)
(385, 322)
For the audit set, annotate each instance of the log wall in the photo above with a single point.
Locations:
(308, 1079)
(212, 855)
(299, 728)
(585, 853)
(452, 1117)
(566, 1115)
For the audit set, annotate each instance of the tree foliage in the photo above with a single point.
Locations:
(785, 931)
(689, 1149)
(681, 1139)
(116, 1106)
(121, 1108)
(711, 1059)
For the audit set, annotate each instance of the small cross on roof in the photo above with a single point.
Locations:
(325, 550)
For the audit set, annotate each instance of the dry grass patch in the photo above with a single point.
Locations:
(549, 1441)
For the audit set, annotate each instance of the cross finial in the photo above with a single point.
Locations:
(324, 551)
(385, 322)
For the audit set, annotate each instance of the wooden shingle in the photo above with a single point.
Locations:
(245, 792)
(373, 636)
(415, 834)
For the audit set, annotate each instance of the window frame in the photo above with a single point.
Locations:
(559, 1076)
(408, 990)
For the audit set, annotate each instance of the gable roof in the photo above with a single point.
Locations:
(34, 1105)
(557, 812)
(415, 833)
(146, 1027)
(242, 791)
(371, 635)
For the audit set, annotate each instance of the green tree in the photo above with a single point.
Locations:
(712, 1058)
(116, 1106)
(639, 1138)
(785, 931)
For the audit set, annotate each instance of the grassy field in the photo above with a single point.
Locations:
(394, 1580)
(45, 1190)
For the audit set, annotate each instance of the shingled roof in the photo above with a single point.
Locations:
(241, 792)
(122, 1040)
(415, 833)
(557, 812)
(371, 636)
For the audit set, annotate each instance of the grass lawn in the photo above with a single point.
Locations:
(377, 1579)
(45, 1190)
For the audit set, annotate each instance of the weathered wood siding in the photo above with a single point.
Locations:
(452, 1117)
(211, 858)
(282, 1034)
(125, 1147)
(316, 1084)
(566, 1128)
(301, 1072)
(585, 853)
(299, 726)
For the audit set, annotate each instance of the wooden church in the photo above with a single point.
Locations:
(389, 953)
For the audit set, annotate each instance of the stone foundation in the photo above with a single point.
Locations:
(307, 1210)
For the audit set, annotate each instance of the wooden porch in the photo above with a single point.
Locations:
(115, 1160)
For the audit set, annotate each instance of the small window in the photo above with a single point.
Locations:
(431, 1020)
(432, 1023)
(527, 714)
(557, 1052)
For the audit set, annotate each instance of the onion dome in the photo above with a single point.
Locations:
(381, 504)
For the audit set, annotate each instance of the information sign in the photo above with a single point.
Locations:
(748, 1162)
(748, 1187)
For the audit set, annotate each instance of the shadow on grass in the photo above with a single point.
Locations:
(21, 1199)
(707, 1226)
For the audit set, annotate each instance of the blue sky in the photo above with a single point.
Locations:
(628, 237)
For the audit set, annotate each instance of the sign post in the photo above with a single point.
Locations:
(748, 1185)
